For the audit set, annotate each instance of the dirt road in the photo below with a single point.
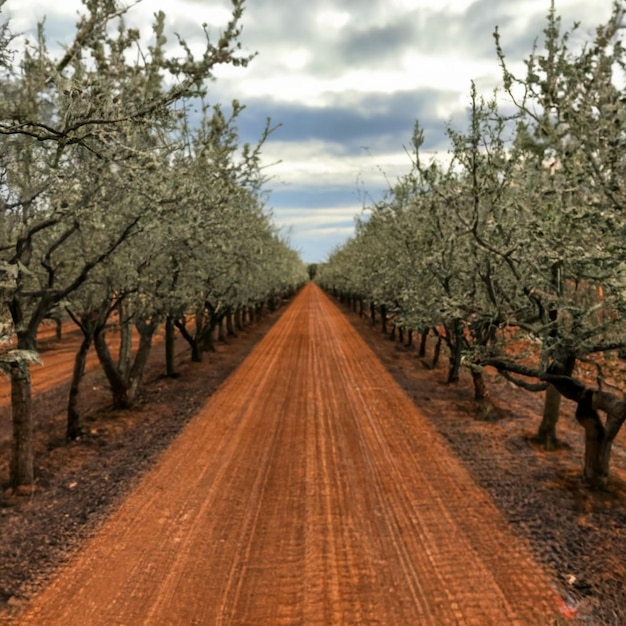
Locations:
(311, 491)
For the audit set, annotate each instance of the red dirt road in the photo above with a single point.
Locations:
(309, 490)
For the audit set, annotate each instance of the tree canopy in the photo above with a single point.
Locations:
(121, 189)
(513, 245)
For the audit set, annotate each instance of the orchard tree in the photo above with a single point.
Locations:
(472, 236)
(56, 112)
(571, 108)
(221, 191)
(524, 234)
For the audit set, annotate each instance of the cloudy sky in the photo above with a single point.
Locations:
(346, 79)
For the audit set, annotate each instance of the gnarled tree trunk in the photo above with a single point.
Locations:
(599, 437)
(125, 385)
(230, 327)
(170, 347)
(484, 407)
(126, 339)
(89, 322)
(421, 351)
(208, 337)
(117, 383)
(21, 465)
(74, 430)
(221, 329)
(455, 343)
(146, 333)
(437, 352)
(192, 340)
(237, 315)
(546, 434)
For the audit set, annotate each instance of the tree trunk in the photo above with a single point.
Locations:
(615, 409)
(117, 383)
(480, 388)
(421, 352)
(485, 410)
(271, 302)
(237, 318)
(221, 329)
(598, 436)
(125, 386)
(89, 322)
(135, 377)
(230, 328)
(22, 460)
(597, 449)
(196, 351)
(170, 347)
(409, 338)
(74, 430)
(208, 337)
(456, 348)
(383, 317)
(546, 434)
(373, 313)
(192, 340)
(454, 368)
(126, 346)
(437, 352)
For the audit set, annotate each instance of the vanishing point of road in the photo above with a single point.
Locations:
(308, 491)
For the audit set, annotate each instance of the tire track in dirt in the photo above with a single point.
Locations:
(309, 490)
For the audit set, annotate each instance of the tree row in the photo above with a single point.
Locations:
(511, 248)
(126, 198)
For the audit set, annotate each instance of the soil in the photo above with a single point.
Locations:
(310, 490)
(577, 533)
(80, 483)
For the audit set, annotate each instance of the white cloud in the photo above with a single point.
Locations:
(25, 14)
(348, 79)
(313, 217)
(313, 164)
(331, 18)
